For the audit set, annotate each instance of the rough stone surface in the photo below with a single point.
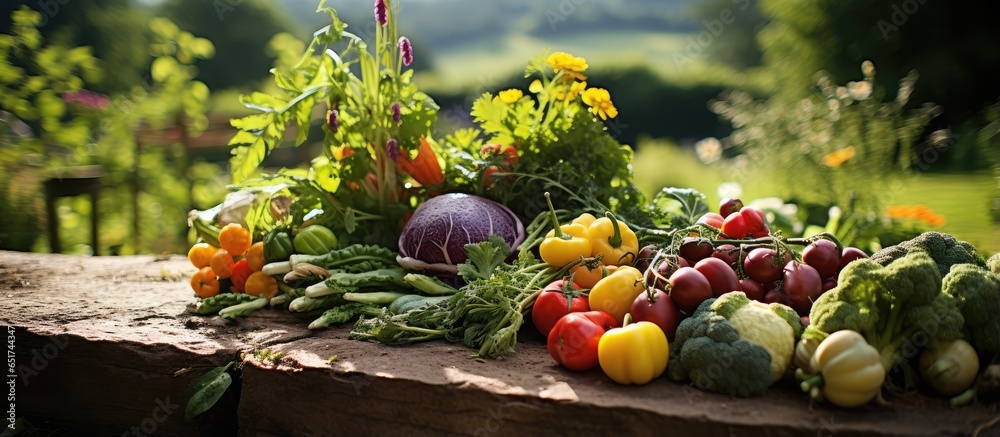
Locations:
(104, 342)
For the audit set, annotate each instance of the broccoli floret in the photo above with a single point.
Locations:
(994, 263)
(733, 345)
(890, 306)
(976, 292)
(943, 248)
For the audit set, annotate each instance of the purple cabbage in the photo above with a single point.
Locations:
(435, 237)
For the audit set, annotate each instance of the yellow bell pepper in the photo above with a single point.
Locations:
(564, 244)
(585, 219)
(633, 354)
(615, 241)
(614, 294)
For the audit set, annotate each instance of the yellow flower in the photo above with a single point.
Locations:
(839, 157)
(536, 86)
(573, 90)
(571, 66)
(511, 96)
(600, 103)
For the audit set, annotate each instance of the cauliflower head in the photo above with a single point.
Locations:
(733, 345)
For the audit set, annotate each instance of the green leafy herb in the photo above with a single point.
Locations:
(483, 258)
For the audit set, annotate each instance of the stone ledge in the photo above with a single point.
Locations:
(114, 343)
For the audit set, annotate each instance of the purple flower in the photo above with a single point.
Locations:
(381, 12)
(331, 120)
(406, 50)
(396, 115)
(392, 149)
(86, 99)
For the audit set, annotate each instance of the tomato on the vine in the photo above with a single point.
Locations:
(695, 249)
(734, 226)
(554, 302)
(658, 309)
(720, 276)
(824, 256)
(689, 288)
(712, 219)
(762, 264)
(803, 285)
(729, 206)
(755, 221)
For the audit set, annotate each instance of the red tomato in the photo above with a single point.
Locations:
(754, 219)
(729, 206)
(712, 219)
(660, 311)
(695, 249)
(722, 277)
(241, 271)
(753, 289)
(553, 303)
(823, 256)
(728, 254)
(802, 285)
(574, 338)
(689, 288)
(850, 254)
(663, 272)
(734, 226)
(762, 265)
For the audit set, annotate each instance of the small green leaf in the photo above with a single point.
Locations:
(484, 258)
(207, 390)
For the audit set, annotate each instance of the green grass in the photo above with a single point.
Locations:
(963, 199)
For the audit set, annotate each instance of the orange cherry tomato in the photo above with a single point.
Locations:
(241, 271)
(200, 254)
(586, 277)
(255, 256)
(235, 239)
(204, 283)
(258, 283)
(222, 263)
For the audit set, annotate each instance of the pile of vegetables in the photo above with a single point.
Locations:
(415, 239)
(931, 295)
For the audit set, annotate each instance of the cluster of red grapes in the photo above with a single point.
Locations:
(746, 258)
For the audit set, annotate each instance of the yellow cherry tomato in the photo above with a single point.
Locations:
(258, 283)
(255, 257)
(200, 254)
(222, 263)
(235, 239)
(587, 274)
(204, 283)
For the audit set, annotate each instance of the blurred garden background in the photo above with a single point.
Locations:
(886, 110)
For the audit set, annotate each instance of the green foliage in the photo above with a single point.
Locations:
(241, 30)
(32, 77)
(358, 180)
(843, 145)
(77, 127)
(560, 141)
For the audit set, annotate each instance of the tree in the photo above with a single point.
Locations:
(115, 29)
(240, 31)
